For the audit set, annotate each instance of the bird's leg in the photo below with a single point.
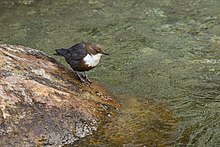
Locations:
(82, 79)
(86, 77)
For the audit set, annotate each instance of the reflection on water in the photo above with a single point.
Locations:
(165, 50)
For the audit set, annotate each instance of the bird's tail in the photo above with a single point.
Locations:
(60, 52)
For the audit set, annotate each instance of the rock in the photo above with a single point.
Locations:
(141, 123)
(42, 103)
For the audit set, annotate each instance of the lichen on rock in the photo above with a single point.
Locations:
(43, 103)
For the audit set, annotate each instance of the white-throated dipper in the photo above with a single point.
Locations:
(82, 57)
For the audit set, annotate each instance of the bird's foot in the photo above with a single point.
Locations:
(87, 79)
(83, 79)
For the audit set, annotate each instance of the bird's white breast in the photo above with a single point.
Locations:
(92, 60)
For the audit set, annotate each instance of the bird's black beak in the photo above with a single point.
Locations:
(105, 53)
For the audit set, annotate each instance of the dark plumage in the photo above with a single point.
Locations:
(82, 57)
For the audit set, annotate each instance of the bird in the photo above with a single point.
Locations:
(82, 57)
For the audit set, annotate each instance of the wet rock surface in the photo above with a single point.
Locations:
(42, 102)
(139, 124)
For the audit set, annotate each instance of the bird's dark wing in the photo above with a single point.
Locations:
(75, 52)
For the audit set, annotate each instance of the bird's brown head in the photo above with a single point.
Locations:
(94, 48)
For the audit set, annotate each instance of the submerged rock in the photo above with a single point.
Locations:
(42, 102)
(140, 123)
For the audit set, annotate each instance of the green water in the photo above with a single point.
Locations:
(164, 50)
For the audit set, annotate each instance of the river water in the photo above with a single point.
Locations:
(163, 51)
